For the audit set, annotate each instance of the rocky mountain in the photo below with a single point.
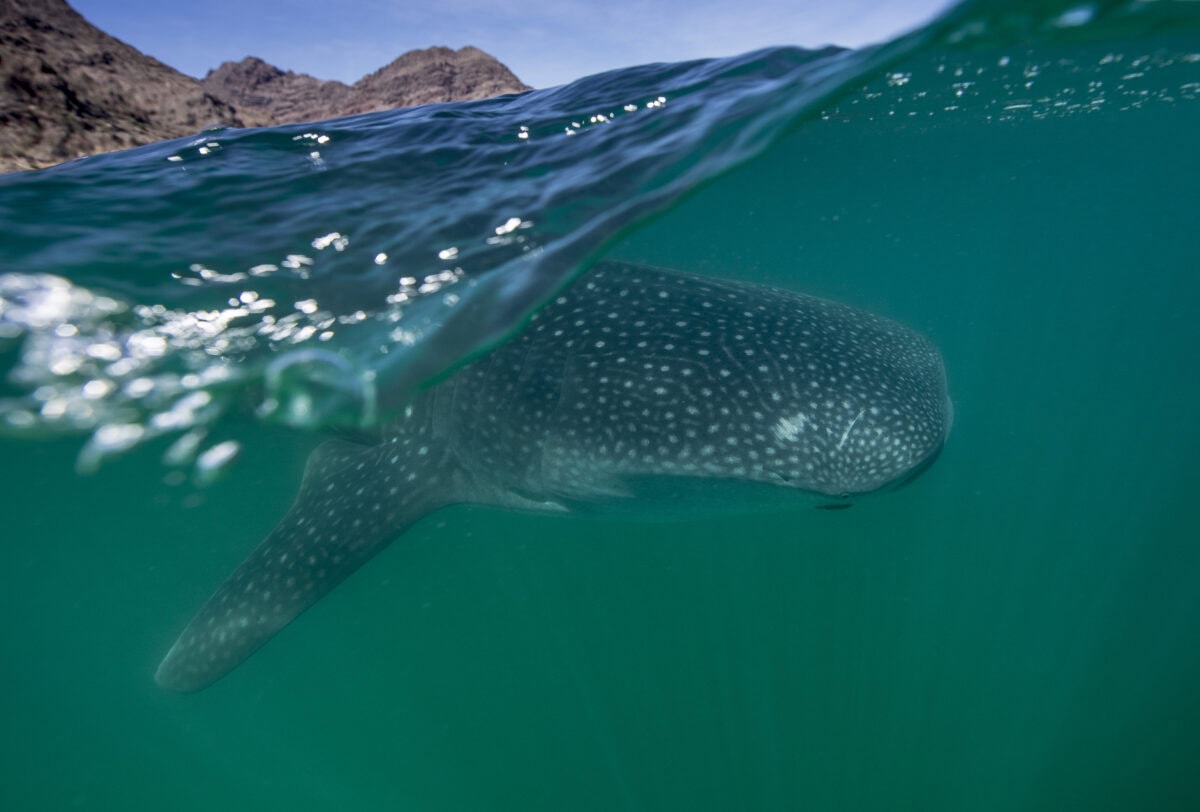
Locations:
(69, 89)
(269, 95)
(264, 92)
(434, 75)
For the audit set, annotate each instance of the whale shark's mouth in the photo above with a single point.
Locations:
(918, 469)
(842, 501)
(908, 476)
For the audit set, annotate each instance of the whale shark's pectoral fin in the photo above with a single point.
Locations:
(353, 501)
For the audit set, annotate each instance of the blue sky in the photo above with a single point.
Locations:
(545, 42)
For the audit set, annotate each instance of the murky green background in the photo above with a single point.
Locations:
(1019, 629)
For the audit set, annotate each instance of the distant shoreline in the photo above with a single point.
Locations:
(73, 90)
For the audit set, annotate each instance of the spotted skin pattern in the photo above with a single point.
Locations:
(631, 377)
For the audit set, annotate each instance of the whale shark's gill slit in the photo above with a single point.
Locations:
(344, 514)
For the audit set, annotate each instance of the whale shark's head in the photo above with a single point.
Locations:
(868, 407)
(639, 372)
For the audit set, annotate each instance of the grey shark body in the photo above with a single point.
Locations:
(630, 384)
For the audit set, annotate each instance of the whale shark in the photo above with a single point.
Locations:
(636, 386)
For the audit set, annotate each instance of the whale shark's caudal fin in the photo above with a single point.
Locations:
(353, 501)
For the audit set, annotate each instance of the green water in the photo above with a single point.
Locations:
(1017, 630)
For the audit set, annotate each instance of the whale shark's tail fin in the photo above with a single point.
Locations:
(353, 501)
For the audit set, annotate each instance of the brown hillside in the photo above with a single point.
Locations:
(417, 77)
(68, 89)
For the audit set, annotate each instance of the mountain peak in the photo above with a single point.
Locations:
(424, 76)
(74, 90)
(71, 89)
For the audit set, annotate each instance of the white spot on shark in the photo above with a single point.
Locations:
(789, 428)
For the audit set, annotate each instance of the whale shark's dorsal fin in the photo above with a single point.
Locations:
(353, 501)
